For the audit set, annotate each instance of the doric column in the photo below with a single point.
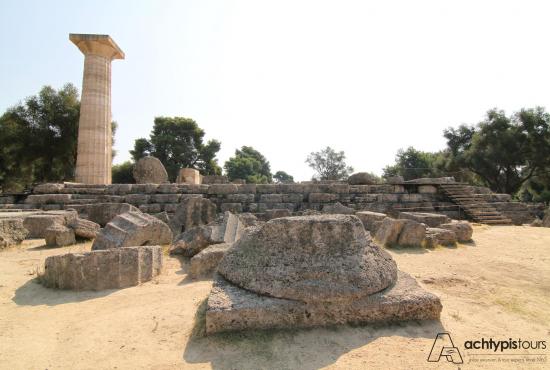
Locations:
(94, 153)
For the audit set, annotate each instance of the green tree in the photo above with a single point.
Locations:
(282, 177)
(504, 152)
(123, 173)
(38, 139)
(179, 143)
(329, 164)
(250, 165)
(414, 164)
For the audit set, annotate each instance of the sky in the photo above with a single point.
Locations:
(292, 77)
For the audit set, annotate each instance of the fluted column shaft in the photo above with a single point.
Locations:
(93, 165)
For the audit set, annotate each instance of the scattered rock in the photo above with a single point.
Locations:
(371, 220)
(389, 230)
(84, 228)
(163, 216)
(59, 236)
(309, 258)
(435, 236)
(150, 170)
(537, 222)
(227, 228)
(395, 180)
(37, 224)
(103, 213)
(106, 269)
(362, 178)
(276, 213)
(412, 234)
(191, 212)
(12, 232)
(462, 229)
(206, 262)
(248, 219)
(132, 229)
(337, 209)
(430, 219)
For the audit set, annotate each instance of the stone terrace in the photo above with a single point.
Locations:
(257, 198)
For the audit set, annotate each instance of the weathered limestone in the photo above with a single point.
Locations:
(93, 163)
(189, 176)
(150, 170)
(206, 262)
(436, 236)
(430, 219)
(59, 236)
(192, 212)
(309, 258)
(103, 213)
(231, 308)
(132, 229)
(84, 228)
(311, 271)
(227, 228)
(12, 232)
(106, 269)
(402, 232)
(371, 220)
(362, 178)
(37, 224)
(462, 229)
(337, 208)
(276, 213)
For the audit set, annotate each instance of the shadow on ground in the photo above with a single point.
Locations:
(306, 349)
(32, 293)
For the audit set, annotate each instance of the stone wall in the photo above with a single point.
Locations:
(155, 198)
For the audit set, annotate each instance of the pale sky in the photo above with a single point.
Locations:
(291, 77)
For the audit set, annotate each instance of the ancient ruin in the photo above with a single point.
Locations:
(93, 164)
(310, 271)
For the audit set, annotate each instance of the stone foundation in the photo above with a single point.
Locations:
(237, 198)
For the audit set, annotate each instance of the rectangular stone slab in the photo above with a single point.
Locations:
(232, 308)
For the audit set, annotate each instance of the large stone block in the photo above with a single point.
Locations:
(12, 232)
(48, 199)
(59, 236)
(322, 258)
(223, 189)
(131, 229)
(105, 269)
(462, 229)
(322, 197)
(103, 213)
(48, 188)
(189, 176)
(371, 220)
(206, 262)
(271, 198)
(362, 178)
(84, 228)
(430, 219)
(150, 170)
(402, 232)
(37, 224)
(191, 212)
(231, 308)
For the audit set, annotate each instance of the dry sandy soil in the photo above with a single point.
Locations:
(498, 286)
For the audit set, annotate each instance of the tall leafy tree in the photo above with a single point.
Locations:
(414, 164)
(38, 138)
(504, 152)
(329, 164)
(250, 165)
(179, 143)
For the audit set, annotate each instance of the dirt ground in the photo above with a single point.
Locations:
(497, 287)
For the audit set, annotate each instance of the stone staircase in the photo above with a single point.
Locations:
(473, 205)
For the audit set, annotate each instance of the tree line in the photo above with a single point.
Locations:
(507, 153)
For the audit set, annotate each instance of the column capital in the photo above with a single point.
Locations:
(97, 44)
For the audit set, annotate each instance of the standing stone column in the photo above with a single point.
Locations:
(93, 161)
